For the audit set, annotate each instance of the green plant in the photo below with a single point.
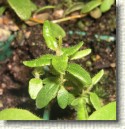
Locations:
(56, 77)
(94, 7)
(54, 74)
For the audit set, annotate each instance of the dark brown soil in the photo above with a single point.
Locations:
(14, 76)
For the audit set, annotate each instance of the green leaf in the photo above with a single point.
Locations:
(80, 73)
(50, 80)
(74, 7)
(62, 98)
(71, 50)
(60, 63)
(57, 31)
(51, 32)
(97, 77)
(2, 9)
(71, 97)
(107, 112)
(90, 6)
(106, 5)
(35, 85)
(17, 114)
(46, 94)
(95, 101)
(80, 54)
(75, 102)
(23, 8)
(41, 61)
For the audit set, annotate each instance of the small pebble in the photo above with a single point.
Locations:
(113, 65)
(58, 13)
(98, 57)
(1, 104)
(1, 91)
(3, 85)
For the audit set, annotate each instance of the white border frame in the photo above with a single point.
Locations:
(120, 123)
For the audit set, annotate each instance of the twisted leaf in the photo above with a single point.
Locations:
(52, 32)
(95, 101)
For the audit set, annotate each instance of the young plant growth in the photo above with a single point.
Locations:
(57, 78)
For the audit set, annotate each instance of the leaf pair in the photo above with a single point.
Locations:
(58, 62)
(74, 53)
(52, 32)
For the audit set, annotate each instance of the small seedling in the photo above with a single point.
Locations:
(56, 77)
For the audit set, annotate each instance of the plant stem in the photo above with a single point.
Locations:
(81, 111)
(46, 113)
(58, 51)
(59, 20)
(69, 18)
(60, 42)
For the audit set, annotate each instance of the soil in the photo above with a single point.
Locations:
(14, 76)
